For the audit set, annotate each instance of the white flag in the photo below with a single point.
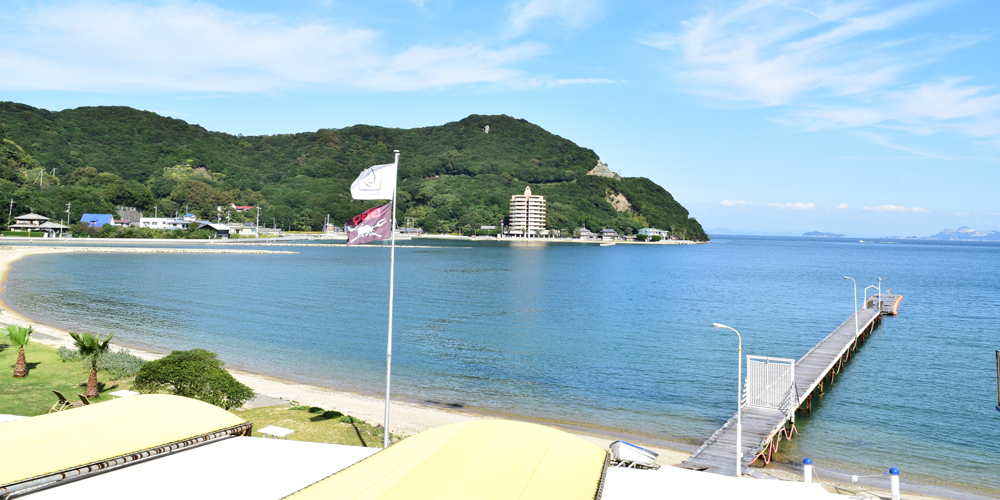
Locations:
(375, 183)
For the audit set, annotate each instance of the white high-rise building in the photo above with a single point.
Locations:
(527, 213)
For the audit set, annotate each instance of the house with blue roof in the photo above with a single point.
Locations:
(97, 220)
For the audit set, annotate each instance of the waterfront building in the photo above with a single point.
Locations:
(221, 230)
(609, 234)
(34, 222)
(586, 234)
(527, 213)
(131, 214)
(165, 223)
(650, 232)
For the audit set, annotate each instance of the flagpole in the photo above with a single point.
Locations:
(392, 275)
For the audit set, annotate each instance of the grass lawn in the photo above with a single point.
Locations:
(32, 395)
(314, 424)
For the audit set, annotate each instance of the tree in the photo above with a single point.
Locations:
(91, 348)
(194, 374)
(19, 337)
(640, 237)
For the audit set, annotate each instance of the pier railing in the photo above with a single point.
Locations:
(770, 383)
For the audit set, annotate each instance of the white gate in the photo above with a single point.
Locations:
(771, 384)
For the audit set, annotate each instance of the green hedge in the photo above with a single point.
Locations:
(24, 234)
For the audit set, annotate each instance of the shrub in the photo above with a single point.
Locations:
(656, 237)
(195, 374)
(67, 354)
(640, 237)
(120, 364)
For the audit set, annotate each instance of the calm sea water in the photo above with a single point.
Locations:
(612, 337)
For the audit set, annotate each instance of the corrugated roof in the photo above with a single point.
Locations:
(55, 442)
(494, 459)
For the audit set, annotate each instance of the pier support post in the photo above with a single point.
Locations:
(894, 483)
(807, 469)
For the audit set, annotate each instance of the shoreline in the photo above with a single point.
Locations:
(408, 417)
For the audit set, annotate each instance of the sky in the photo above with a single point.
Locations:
(760, 116)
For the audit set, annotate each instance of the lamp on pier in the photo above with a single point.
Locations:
(739, 401)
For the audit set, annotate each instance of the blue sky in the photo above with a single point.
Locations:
(857, 117)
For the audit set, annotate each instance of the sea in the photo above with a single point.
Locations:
(614, 340)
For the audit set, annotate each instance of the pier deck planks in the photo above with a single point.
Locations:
(718, 454)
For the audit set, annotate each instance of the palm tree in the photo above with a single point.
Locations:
(19, 337)
(90, 346)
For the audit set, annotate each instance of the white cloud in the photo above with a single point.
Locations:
(783, 206)
(181, 46)
(949, 104)
(575, 13)
(734, 203)
(773, 51)
(841, 206)
(831, 65)
(897, 208)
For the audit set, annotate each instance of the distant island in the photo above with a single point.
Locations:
(817, 234)
(965, 233)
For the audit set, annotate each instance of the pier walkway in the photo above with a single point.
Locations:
(769, 418)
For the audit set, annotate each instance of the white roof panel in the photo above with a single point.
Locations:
(242, 467)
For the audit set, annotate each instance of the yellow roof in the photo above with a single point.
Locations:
(494, 459)
(41, 445)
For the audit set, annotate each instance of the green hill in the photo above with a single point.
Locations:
(453, 177)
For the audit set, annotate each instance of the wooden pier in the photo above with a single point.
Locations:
(764, 425)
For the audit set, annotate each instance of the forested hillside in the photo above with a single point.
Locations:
(454, 177)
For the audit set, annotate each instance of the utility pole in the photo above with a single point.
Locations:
(68, 215)
(11, 211)
(155, 213)
(257, 229)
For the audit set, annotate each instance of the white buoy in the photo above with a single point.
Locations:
(807, 469)
(894, 482)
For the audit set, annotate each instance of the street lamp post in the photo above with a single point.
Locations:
(739, 402)
(856, 329)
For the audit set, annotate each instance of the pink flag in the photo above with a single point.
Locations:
(373, 224)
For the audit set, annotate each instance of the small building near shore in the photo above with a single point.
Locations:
(221, 230)
(131, 214)
(609, 234)
(650, 232)
(39, 223)
(586, 234)
(165, 223)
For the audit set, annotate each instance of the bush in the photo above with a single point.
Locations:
(640, 237)
(656, 237)
(119, 364)
(195, 374)
(67, 354)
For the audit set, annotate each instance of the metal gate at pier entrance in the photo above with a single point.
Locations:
(771, 384)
